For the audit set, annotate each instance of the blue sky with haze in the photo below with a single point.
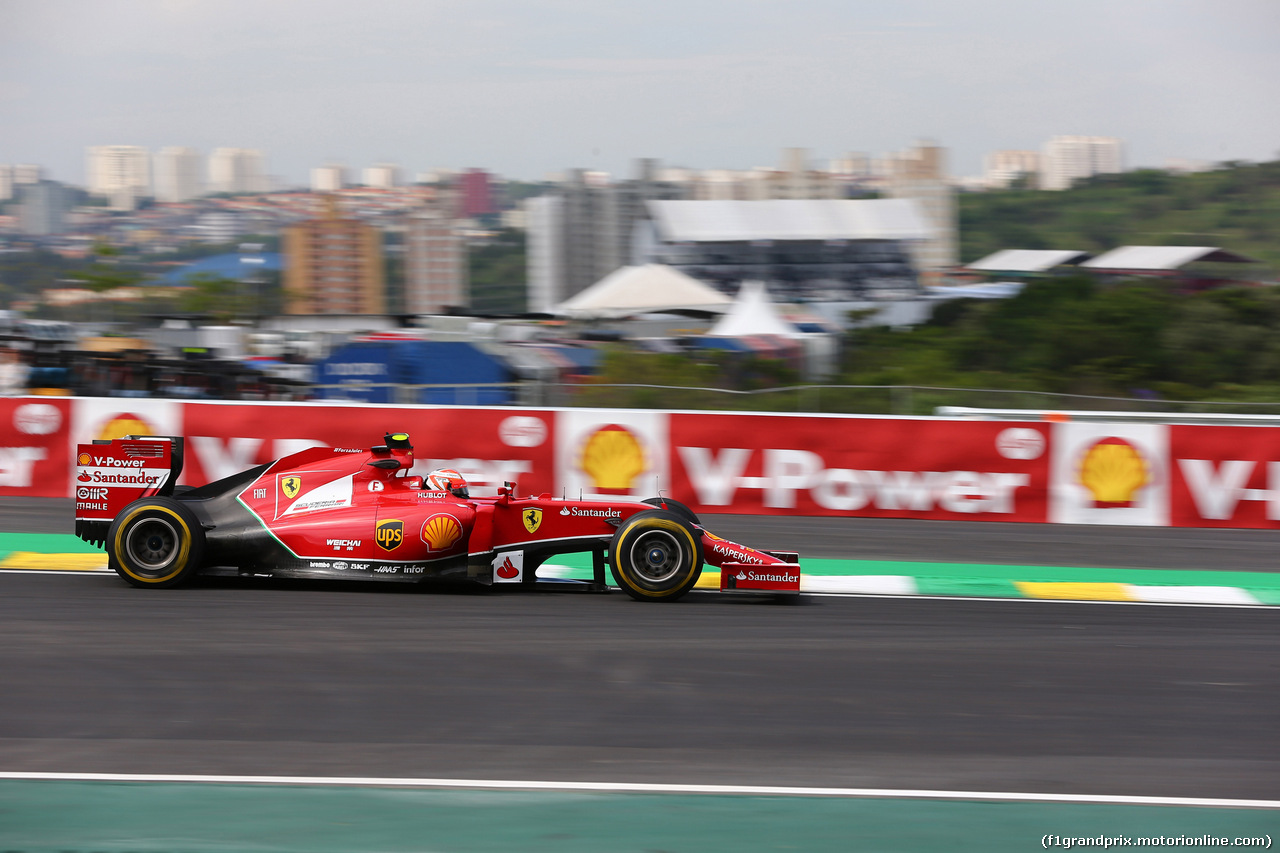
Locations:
(528, 88)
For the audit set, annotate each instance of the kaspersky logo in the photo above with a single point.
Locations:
(613, 457)
(1113, 470)
(389, 534)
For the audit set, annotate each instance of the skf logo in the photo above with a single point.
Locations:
(290, 486)
(441, 532)
(1113, 471)
(532, 520)
(390, 534)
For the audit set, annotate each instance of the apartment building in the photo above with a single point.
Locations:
(435, 263)
(1067, 159)
(120, 173)
(177, 172)
(334, 265)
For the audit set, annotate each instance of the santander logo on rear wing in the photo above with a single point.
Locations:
(112, 474)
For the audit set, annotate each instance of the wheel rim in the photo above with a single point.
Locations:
(152, 545)
(656, 556)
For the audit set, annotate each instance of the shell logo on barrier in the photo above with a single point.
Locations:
(1113, 471)
(124, 424)
(613, 457)
(441, 532)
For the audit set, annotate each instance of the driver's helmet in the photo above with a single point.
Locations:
(447, 480)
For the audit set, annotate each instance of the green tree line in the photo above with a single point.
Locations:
(1235, 206)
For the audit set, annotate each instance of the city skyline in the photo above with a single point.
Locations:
(532, 89)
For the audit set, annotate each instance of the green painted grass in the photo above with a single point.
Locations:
(107, 817)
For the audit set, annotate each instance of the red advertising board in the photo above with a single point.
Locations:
(488, 446)
(879, 467)
(35, 446)
(1226, 476)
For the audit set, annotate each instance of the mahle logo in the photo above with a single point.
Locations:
(291, 486)
(390, 534)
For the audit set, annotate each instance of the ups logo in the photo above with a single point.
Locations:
(390, 534)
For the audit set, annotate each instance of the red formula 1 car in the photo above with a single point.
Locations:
(340, 513)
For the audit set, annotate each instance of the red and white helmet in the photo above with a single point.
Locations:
(447, 480)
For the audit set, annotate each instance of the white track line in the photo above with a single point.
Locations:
(1223, 604)
(642, 788)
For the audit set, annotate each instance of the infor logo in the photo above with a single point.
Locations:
(390, 534)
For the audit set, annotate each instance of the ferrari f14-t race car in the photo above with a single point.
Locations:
(359, 514)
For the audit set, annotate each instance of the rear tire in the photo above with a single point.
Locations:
(156, 542)
(655, 556)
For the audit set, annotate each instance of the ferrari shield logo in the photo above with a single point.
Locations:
(390, 534)
(532, 520)
(290, 486)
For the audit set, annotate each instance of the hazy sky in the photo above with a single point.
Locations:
(528, 88)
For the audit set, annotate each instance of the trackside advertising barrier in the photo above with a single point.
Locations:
(823, 465)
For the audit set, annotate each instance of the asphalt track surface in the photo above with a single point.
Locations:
(240, 677)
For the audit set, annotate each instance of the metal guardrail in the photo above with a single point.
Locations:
(904, 400)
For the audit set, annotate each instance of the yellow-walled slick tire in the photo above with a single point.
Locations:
(655, 556)
(155, 542)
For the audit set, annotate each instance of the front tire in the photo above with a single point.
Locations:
(155, 542)
(655, 556)
(676, 507)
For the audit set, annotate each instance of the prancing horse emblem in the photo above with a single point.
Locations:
(290, 486)
(532, 520)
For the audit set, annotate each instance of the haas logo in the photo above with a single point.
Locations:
(390, 534)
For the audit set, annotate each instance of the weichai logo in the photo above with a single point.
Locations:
(390, 534)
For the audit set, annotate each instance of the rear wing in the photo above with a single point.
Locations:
(112, 474)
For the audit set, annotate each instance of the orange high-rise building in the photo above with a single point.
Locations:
(334, 265)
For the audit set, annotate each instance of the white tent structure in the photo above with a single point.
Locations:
(648, 289)
(753, 314)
